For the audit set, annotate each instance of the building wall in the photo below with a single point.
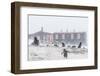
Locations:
(68, 38)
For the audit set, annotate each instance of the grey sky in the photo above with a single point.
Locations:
(57, 23)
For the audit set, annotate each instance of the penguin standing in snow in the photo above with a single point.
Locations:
(65, 53)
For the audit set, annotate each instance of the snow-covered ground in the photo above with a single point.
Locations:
(54, 53)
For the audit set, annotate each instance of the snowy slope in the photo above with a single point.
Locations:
(53, 53)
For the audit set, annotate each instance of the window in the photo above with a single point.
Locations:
(78, 36)
(72, 36)
(63, 36)
(44, 38)
(56, 36)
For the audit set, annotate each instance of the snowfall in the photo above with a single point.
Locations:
(36, 53)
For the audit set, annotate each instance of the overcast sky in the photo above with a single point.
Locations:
(57, 23)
